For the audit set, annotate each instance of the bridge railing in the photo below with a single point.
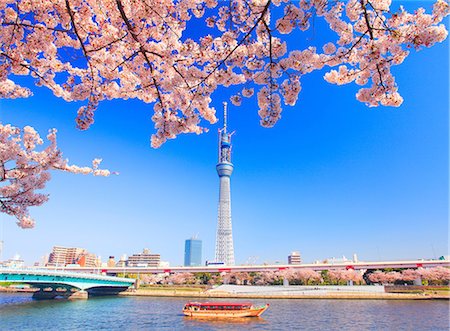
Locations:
(47, 272)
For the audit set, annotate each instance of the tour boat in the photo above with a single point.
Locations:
(223, 309)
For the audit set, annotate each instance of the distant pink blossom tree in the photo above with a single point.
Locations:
(342, 275)
(391, 277)
(182, 278)
(24, 169)
(308, 276)
(150, 279)
(237, 278)
(437, 275)
(334, 276)
(288, 274)
(409, 275)
(296, 277)
(375, 277)
(265, 278)
(385, 277)
(215, 280)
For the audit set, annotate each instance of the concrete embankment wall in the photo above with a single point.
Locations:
(297, 289)
(287, 292)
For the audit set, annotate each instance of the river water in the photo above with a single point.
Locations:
(20, 312)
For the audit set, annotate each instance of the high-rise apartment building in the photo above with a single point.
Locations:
(61, 256)
(144, 259)
(224, 237)
(193, 252)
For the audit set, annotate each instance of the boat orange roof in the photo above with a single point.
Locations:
(219, 303)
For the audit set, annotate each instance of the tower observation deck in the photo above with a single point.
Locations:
(224, 167)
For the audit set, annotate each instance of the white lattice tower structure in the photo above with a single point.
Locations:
(224, 237)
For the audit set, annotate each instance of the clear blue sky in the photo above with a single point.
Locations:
(332, 178)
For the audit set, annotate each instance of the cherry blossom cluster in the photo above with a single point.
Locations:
(118, 49)
(24, 170)
(302, 277)
(345, 275)
(295, 277)
(430, 274)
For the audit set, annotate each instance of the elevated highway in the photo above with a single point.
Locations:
(413, 264)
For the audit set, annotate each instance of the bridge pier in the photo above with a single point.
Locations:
(417, 281)
(45, 295)
(78, 295)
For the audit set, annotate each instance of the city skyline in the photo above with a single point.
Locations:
(332, 178)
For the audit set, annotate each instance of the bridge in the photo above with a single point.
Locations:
(71, 285)
(412, 264)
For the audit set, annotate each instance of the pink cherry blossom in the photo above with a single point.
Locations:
(435, 274)
(89, 50)
(24, 170)
(385, 277)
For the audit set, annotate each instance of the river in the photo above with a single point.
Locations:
(20, 312)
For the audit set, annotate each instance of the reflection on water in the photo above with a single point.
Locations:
(249, 323)
(19, 312)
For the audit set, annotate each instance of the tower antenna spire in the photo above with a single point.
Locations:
(225, 116)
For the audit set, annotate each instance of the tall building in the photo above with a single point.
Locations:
(224, 237)
(295, 258)
(122, 261)
(144, 259)
(88, 260)
(193, 252)
(111, 263)
(61, 256)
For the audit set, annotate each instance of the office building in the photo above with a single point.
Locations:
(193, 252)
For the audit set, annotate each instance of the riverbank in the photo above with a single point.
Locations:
(274, 292)
(287, 292)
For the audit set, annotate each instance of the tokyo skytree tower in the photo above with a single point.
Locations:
(224, 237)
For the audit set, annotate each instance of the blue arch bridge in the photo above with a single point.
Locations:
(71, 285)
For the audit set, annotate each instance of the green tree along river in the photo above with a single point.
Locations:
(20, 312)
